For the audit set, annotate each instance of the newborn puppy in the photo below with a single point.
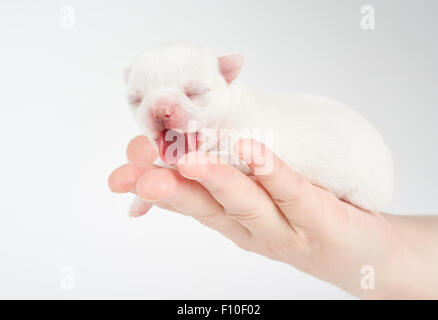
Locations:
(179, 91)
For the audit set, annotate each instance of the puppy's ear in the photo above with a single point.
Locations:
(230, 66)
(126, 73)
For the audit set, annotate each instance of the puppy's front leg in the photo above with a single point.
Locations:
(138, 207)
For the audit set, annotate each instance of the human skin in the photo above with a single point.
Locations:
(284, 217)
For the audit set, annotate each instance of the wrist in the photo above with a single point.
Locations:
(381, 258)
(405, 270)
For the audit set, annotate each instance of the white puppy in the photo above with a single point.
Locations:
(173, 86)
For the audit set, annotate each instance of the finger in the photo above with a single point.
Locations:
(190, 198)
(241, 197)
(168, 207)
(141, 149)
(293, 194)
(139, 207)
(124, 179)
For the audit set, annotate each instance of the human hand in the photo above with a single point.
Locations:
(279, 215)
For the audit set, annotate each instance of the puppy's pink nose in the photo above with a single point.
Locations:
(163, 109)
(163, 114)
(167, 114)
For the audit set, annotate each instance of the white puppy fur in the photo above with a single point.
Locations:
(327, 142)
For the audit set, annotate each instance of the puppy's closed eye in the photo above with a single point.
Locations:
(194, 91)
(134, 100)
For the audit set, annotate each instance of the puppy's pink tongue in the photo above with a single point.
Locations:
(172, 145)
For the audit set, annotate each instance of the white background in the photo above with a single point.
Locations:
(64, 126)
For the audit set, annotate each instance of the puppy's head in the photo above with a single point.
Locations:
(176, 90)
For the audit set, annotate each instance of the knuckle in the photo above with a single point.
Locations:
(250, 214)
(244, 241)
(243, 245)
(250, 211)
(292, 197)
(287, 201)
(205, 218)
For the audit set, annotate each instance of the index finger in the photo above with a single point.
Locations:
(292, 193)
(242, 199)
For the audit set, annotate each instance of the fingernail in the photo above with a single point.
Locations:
(186, 160)
(187, 177)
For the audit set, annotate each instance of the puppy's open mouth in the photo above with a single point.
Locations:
(173, 144)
